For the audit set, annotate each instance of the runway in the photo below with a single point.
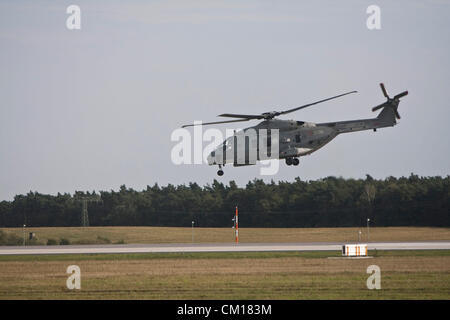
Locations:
(215, 247)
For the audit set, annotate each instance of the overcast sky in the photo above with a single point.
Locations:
(93, 109)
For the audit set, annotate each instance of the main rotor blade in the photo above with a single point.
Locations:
(311, 104)
(216, 122)
(404, 93)
(384, 90)
(245, 116)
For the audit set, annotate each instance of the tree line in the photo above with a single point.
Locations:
(327, 202)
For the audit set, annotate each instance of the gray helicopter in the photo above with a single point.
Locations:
(295, 138)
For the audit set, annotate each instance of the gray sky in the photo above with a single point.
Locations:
(93, 109)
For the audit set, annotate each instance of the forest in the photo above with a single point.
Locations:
(327, 202)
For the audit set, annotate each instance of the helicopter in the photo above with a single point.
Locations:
(296, 138)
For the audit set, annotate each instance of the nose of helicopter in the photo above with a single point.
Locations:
(212, 158)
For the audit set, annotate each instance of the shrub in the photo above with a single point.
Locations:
(64, 242)
(103, 240)
(52, 242)
(10, 239)
(34, 242)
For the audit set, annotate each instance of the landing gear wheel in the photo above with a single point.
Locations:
(295, 161)
(220, 172)
(289, 161)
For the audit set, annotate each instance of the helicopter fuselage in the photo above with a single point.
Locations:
(295, 139)
(290, 139)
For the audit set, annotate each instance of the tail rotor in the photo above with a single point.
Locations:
(391, 102)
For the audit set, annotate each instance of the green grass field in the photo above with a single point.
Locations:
(95, 235)
(422, 274)
(262, 275)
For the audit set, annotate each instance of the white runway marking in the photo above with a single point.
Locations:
(215, 247)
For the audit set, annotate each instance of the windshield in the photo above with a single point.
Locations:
(228, 141)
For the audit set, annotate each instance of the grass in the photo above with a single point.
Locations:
(216, 255)
(417, 274)
(241, 275)
(97, 235)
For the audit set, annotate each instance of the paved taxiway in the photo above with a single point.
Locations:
(215, 247)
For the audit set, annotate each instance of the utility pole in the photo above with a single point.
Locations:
(84, 208)
(84, 213)
(192, 231)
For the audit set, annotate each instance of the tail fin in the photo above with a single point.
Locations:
(389, 114)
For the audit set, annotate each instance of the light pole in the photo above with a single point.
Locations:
(192, 231)
(23, 230)
(368, 234)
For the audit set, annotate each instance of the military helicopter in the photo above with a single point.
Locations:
(298, 138)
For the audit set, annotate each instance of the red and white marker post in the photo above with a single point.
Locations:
(236, 230)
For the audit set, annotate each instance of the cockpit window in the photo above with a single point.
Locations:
(228, 142)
